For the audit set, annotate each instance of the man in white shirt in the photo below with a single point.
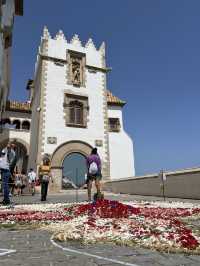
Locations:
(31, 181)
(5, 175)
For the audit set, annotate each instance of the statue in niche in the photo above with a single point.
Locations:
(76, 71)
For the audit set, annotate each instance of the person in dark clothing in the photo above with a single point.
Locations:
(45, 177)
(93, 162)
(11, 159)
(5, 174)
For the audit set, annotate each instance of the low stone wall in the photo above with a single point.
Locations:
(178, 184)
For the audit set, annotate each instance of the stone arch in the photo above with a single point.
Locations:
(58, 157)
(15, 140)
(22, 151)
(66, 148)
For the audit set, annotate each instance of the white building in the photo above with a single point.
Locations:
(72, 111)
(8, 9)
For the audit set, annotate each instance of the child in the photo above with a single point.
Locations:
(18, 183)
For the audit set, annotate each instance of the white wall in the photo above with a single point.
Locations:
(32, 163)
(121, 149)
(20, 135)
(55, 125)
(120, 144)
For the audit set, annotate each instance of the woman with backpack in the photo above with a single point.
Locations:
(94, 172)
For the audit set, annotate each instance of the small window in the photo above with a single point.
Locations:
(26, 125)
(16, 124)
(76, 113)
(6, 123)
(76, 110)
(114, 124)
(8, 42)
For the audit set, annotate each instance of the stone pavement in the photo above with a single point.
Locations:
(33, 247)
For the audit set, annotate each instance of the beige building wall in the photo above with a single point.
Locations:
(35, 118)
(8, 9)
(178, 184)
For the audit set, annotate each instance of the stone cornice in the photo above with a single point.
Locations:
(54, 59)
(101, 69)
(64, 61)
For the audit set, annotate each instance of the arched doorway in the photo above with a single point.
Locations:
(74, 170)
(67, 151)
(21, 150)
(22, 157)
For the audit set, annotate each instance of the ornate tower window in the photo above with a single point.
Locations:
(76, 68)
(114, 124)
(76, 113)
(76, 110)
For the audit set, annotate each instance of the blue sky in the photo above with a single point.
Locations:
(153, 48)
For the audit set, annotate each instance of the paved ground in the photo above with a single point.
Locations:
(81, 195)
(35, 248)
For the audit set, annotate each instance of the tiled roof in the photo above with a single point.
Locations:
(26, 107)
(113, 100)
(18, 106)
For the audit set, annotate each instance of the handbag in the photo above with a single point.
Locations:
(37, 183)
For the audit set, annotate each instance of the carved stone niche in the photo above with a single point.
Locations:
(98, 143)
(52, 140)
(76, 68)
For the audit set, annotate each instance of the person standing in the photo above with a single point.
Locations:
(11, 159)
(31, 181)
(5, 174)
(45, 177)
(18, 182)
(93, 162)
(24, 182)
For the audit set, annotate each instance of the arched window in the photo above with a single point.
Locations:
(6, 123)
(17, 124)
(76, 113)
(26, 125)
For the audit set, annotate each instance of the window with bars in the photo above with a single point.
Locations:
(114, 124)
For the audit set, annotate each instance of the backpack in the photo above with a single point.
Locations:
(93, 169)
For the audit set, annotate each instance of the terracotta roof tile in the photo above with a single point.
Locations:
(26, 107)
(18, 106)
(111, 99)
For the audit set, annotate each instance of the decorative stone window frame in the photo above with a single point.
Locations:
(72, 55)
(83, 100)
(114, 121)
